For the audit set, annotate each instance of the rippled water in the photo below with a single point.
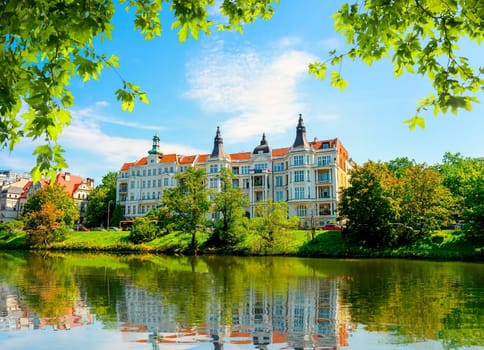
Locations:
(89, 301)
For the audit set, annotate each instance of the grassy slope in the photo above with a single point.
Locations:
(442, 245)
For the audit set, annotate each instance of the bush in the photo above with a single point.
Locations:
(143, 230)
(10, 228)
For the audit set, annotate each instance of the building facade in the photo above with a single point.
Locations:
(308, 176)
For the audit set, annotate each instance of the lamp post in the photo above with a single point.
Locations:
(107, 223)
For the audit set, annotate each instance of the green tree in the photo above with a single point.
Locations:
(399, 165)
(229, 203)
(421, 37)
(102, 197)
(60, 198)
(143, 230)
(461, 174)
(47, 43)
(189, 202)
(425, 201)
(369, 206)
(271, 224)
(474, 208)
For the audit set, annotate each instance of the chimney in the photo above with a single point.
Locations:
(67, 177)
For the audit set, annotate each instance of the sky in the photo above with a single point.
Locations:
(250, 84)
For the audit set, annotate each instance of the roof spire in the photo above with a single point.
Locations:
(218, 145)
(263, 147)
(155, 148)
(300, 134)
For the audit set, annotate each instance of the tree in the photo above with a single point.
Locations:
(189, 202)
(44, 225)
(48, 214)
(101, 201)
(271, 223)
(422, 37)
(47, 43)
(369, 205)
(143, 230)
(425, 202)
(230, 203)
(58, 196)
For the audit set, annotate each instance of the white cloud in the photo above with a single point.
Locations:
(259, 90)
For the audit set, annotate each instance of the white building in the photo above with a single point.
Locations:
(307, 175)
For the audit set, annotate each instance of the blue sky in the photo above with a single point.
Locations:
(249, 84)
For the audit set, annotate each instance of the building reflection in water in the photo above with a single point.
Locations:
(305, 316)
(15, 315)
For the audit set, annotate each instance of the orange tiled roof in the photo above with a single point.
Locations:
(240, 156)
(202, 158)
(126, 166)
(169, 158)
(187, 159)
(71, 185)
(278, 152)
(319, 144)
(142, 161)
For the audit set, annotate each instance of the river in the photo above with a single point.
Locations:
(89, 301)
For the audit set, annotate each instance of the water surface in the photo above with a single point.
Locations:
(100, 301)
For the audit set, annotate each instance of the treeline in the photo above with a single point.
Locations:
(395, 203)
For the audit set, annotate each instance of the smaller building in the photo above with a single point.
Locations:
(76, 187)
(12, 199)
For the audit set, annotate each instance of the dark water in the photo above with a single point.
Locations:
(89, 301)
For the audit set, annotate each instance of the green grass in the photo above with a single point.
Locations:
(447, 245)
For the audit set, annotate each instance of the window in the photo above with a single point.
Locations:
(279, 196)
(245, 169)
(279, 180)
(213, 168)
(260, 166)
(131, 184)
(159, 182)
(324, 161)
(258, 181)
(325, 145)
(213, 183)
(149, 172)
(245, 183)
(299, 176)
(323, 193)
(278, 167)
(301, 211)
(298, 160)
(324, 209)
(144, 172)
(165, 181)
(235, 170)
(299, 193)
(144, 184)
(324, 177)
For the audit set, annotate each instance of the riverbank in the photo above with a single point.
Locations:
(442, 245)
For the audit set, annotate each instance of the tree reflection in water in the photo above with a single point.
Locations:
(246, 302)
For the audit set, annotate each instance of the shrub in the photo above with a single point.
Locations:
(143, 230)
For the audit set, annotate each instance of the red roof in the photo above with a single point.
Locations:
(202, 158)
(71, 184)
(169, 158)
(142, 161)
(126, 166)
(319, 144)
(187, 159)
(240, 156)
(278, 152)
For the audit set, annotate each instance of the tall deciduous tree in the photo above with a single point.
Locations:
(60, 198)
(48, 213)
(369, 205)
(46, 43)
(421, 37)
(425, 202)
(271, 224)
(189, 202)
(230, 203)
(102, 200)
